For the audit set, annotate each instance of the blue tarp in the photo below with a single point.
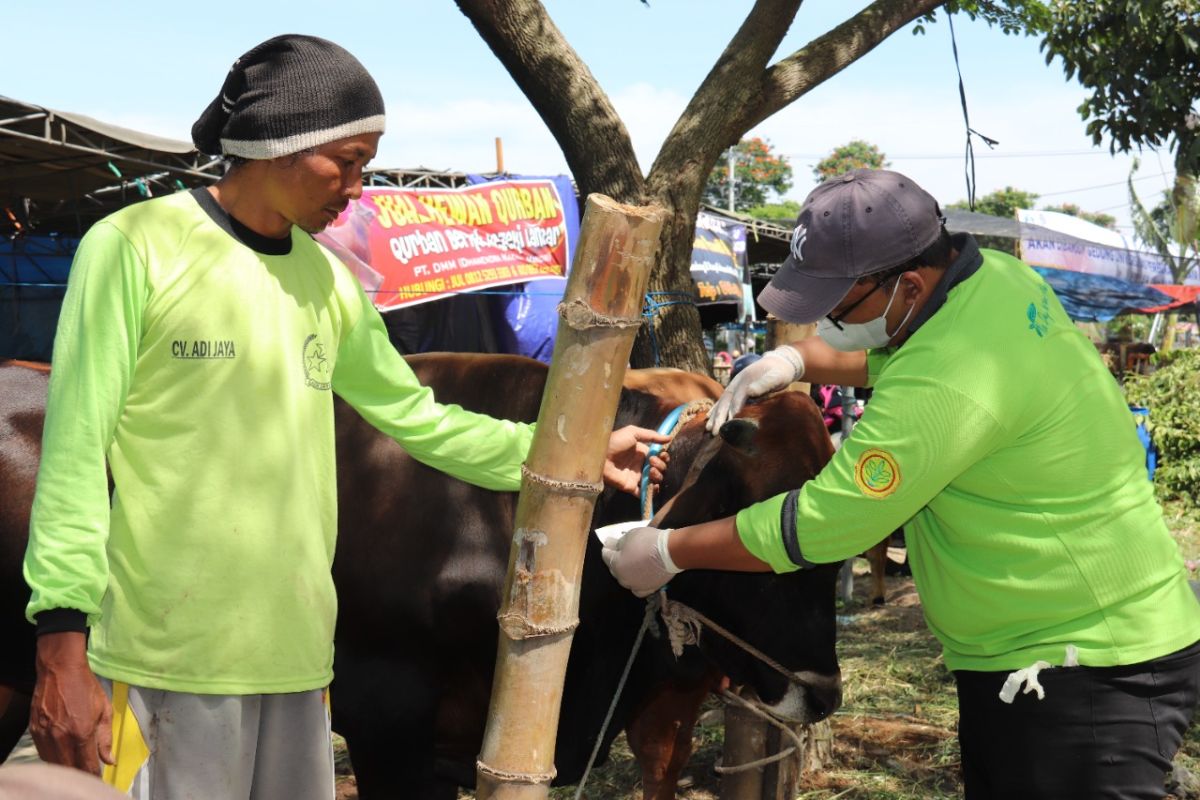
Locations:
(1099, 298)
(527, 318)
(33, 277)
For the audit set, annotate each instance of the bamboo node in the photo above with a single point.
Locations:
(518, 628)
(580, 316)
(504, 776)
(562, 487)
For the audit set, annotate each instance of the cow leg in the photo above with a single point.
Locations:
(14, 719)
(385, 710)
(660, 732)
(878, 556)
(398, 768)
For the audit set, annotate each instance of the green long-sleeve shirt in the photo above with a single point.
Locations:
(1000, 442)
(202, 371)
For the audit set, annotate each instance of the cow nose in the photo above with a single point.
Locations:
(826, 698)
(823, 691)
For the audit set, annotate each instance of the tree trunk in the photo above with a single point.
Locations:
(781, 780)
(745, 741)
(740, 91)
(563, 91)
(671, 336)
(1186, 200)
(749, 738)
(561, 479)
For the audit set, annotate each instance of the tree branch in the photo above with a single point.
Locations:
(718, 102)
(830, 53)
(563, 91)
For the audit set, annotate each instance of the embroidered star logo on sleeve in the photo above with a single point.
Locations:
(877, 473)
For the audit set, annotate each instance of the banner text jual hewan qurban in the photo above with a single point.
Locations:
(409, 246)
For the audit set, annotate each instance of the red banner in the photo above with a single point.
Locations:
(410, 246)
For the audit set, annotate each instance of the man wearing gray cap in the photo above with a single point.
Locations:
(201, 339)
(1000, 442)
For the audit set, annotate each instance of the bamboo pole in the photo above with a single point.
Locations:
(599, 316)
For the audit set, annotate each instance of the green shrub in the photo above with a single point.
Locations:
(1172, 393)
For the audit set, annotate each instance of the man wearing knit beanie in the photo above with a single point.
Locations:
(217, 331)
(288, 94)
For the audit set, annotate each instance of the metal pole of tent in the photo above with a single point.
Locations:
(848, 407)
(1154, 327)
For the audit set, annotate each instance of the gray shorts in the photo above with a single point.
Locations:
(180, 746)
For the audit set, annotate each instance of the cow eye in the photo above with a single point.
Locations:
(740, 434)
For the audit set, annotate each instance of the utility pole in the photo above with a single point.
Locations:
(732, 156)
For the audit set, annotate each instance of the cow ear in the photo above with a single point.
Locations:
(739, 434)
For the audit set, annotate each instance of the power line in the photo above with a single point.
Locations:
(1099, 186)
(956, 156)
(1047, 154)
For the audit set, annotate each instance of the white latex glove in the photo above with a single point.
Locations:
(774, 371)
(639, 560)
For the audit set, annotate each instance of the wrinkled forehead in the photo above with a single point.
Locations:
(361, 147)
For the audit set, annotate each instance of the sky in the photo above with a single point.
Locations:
(154, 66)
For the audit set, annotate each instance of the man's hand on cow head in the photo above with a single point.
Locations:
(640, 560)
(774, 371)
(628, 449)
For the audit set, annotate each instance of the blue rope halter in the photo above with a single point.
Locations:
(665, 428)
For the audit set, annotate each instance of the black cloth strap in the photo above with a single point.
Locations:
(60, 620)
(787, 526)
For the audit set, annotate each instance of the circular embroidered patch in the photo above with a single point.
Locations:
(877, 473)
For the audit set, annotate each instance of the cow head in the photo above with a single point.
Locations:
(773, 446)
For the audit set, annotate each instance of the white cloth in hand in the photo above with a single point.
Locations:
(639, 560)
(774, 371)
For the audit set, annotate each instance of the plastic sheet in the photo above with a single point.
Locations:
(526, 315)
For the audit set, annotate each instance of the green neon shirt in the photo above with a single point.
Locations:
(1000, 442)
(203, 372)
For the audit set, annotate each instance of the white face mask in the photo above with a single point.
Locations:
(853, 336)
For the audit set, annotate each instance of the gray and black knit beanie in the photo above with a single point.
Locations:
(288, 94)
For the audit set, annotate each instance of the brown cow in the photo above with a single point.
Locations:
(22, 404)
(420, 564)
(673, 387)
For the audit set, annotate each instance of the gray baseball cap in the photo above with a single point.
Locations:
(852, 225)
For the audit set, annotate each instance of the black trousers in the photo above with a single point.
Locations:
(1108, 732)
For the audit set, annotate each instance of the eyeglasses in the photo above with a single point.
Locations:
(837, 321)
